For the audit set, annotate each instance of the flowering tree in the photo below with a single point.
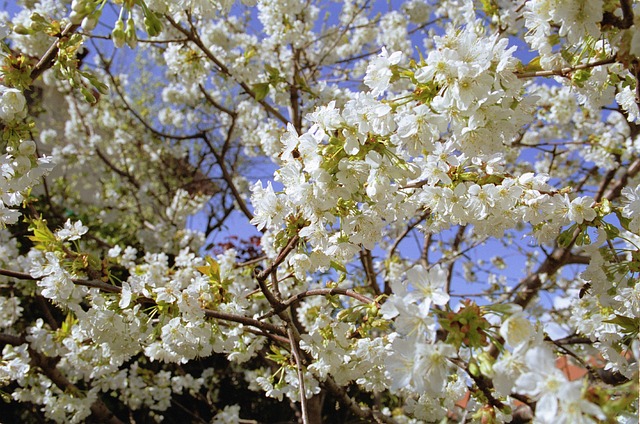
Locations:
(446, 218)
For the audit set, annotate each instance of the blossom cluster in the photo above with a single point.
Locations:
(380, 178)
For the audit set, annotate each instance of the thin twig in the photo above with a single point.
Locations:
(370, 415)
(228, 178)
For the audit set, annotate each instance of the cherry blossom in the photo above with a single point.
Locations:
(392, 212)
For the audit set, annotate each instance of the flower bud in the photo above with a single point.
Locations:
(152, 24)
(21, 165)
(13, 104)
(130, 33)
(27, 147)
(118, 35)
(90, 22)
(76, 17)
(20, 29)
(78, 6)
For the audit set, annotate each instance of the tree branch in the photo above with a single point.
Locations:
(295, 351)
(563, 72)
(367, 264)
(105, 287)
(47, 60)
(228, 178)
(364, 413)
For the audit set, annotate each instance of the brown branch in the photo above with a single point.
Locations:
(244, 320)
(294, 95)
(44, 305)
(105, 287)
(216, 104)
(47, 60)
(573, 339)
(424, 254)
(10, 339)
(331, 48)
(330, 292)
(606, 180)
(609, 19)
(406, 231)
(139, 118)
(454, 249)
(16, 274)
(485, 385)
(563, 72)
(228, 178)
(251, 261)
(110, 165)
(615, 190)
(294, 339)
(367, 264)
(274, 337)
(367, 414)
(280, 258)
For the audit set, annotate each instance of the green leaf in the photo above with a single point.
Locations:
(212, 269)
(260, 90)
(338, 266)
(625, 222)
(533, 65)
(566, 236)
(274, 73)
(42, 235)
(88, 95)
(629, 325)
(250, 52)
(611, 230)
(504, 308)
(581, 76)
